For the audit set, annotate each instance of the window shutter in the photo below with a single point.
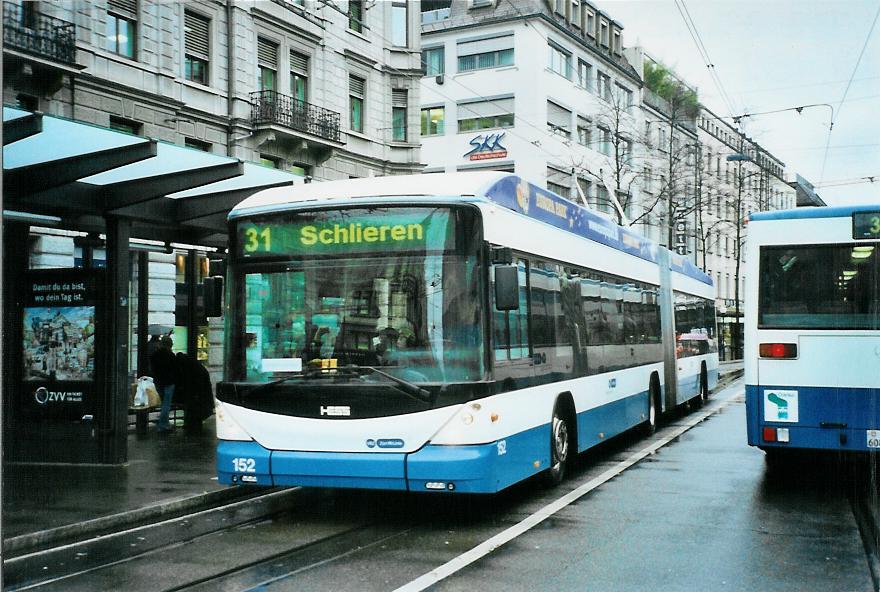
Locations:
(356, 85)
(398, 98)
(126, 8)
(558, 116)
(299, 63)
(485, 108)
(485, 45)
(196, 35)
(267, 53)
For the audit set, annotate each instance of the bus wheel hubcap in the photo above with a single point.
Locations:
(560, 441)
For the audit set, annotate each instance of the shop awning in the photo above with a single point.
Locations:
(83, 174)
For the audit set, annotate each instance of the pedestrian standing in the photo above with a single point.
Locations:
(164, 368)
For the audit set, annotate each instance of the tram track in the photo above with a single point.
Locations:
(60, 561)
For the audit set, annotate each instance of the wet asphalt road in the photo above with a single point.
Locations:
(702, 513)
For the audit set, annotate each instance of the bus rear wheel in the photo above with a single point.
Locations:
(650, 424)
(560, 441)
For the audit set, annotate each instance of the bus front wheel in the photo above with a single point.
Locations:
(560, 448)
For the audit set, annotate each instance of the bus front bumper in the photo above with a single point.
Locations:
(483, 468)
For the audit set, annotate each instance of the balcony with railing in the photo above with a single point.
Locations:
(269, 107)
(44, 36)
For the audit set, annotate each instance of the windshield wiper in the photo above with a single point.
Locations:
(409, 388)
(308, 373)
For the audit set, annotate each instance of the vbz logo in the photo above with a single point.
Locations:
(336, 410)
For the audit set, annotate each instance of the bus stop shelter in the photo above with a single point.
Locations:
(66, 369)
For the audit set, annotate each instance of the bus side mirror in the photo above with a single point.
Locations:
(213, 291)
(506, 287)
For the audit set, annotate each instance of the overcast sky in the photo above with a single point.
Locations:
(777, 54)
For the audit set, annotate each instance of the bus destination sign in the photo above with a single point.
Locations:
(866, 225)
(347, 234)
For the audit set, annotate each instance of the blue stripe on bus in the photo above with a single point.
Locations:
(847, 411)
(611, 419)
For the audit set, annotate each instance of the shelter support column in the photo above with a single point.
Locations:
(114, 422)
(15, 266)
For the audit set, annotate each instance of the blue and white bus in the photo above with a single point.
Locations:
(812, 322)
(446, 332)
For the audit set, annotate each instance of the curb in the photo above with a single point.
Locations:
(44, 539)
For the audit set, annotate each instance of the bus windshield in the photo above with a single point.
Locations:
(411, 310)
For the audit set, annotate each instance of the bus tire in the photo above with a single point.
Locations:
(560, 445)
(650, 424)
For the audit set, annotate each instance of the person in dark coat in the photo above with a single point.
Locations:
(164, 367)
(195, 390)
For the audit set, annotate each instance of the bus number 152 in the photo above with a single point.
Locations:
(244, 465)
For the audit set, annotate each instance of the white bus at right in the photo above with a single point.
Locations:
(812, 330)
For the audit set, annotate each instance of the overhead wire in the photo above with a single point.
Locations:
(846, 90)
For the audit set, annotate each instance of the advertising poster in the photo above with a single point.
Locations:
(59, 344)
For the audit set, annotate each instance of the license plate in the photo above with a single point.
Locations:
(873, 438)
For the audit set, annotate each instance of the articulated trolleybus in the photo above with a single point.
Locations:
(445, 332)
(812, 319)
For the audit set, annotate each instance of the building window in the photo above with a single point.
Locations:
(590, 22)
(584, 132)
(198, 49)
(615, 43)
(271, 161)
(433, 121)
(558, 120)
(603, 202)
(356, 95)
(356, 15)
(603, 32)
(399, 35)
(604, 82)
(485, 53)
(585, 75)
(267, 64)
(398, 115)
(605, 146)
(299, 76)
(585, 186)
(485, 115)
(625, 96)
(433, 61)
(121, 27)
(128, 126)
(301, 169)
(648, 173)
(197, 144)
(560, 61)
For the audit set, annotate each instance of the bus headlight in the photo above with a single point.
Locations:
(228, 428)
(467, 418)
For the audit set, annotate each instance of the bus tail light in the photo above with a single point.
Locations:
(780, 351)
(776, 435)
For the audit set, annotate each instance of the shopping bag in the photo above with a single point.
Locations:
(146, 394)
(140, 396)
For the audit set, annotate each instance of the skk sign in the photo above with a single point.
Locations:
(486, 147)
